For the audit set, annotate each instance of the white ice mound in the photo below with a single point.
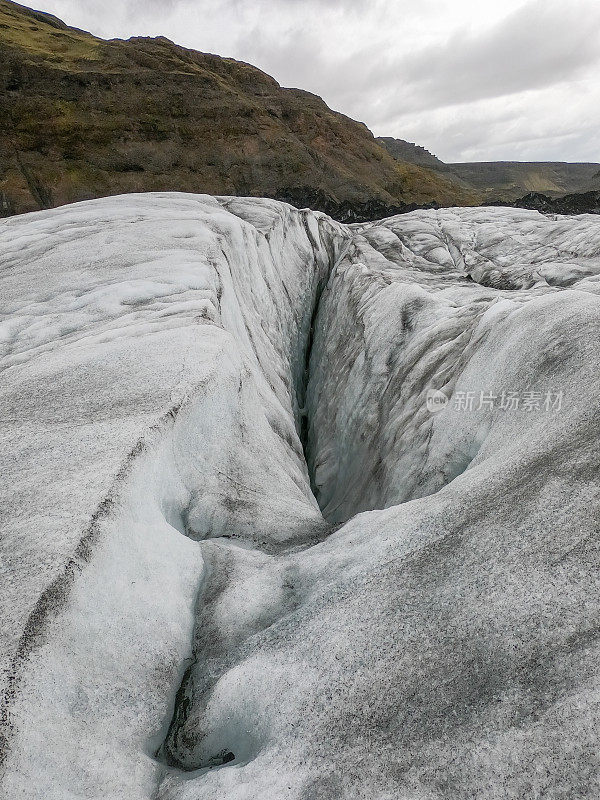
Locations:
(198, 397)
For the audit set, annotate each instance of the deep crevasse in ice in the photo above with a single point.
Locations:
(456, 301)
(181, 620)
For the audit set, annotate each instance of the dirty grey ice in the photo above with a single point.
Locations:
(294, 510)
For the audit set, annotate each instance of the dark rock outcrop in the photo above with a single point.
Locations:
(582, 203)
(347, 211)
(6, 208)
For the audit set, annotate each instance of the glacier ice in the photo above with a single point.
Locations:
(243, 559)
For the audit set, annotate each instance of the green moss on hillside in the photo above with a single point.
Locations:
(82, 117)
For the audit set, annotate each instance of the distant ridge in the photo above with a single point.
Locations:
(503, 180)
(408, 151)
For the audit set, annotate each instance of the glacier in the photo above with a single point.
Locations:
(299, 510)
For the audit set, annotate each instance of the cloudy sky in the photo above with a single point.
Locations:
(471, 80)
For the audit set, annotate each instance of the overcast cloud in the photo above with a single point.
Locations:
(468, 79)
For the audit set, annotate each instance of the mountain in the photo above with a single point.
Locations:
(82, 117)
(510, 180)
(199, 397)
(410, 152)
(503, 180)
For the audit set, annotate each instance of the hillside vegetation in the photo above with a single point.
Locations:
(82, 117)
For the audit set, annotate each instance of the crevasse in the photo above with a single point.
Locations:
(181, 607)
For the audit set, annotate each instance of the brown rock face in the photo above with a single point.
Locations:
(81, 117)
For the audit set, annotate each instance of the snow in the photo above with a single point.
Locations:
(243, 559)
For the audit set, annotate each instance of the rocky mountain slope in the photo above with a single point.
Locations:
(503, 180)
(81, 117)
(411, 153)
(298, 510)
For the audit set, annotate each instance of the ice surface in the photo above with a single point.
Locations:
(183, 378)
